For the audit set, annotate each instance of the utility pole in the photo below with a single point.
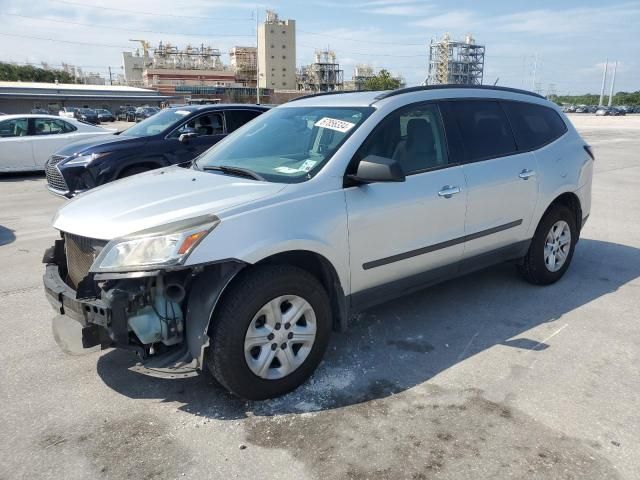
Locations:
(604, 79)
(613, 81)
(110, 78)
(535, 69)
(257, 57)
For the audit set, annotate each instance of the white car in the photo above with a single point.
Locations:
(27, 141)
(310, 213)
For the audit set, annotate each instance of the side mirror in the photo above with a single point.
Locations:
(373, 168)
(185, 137)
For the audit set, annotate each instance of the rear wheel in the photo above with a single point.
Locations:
(551, 248)
(270, 332)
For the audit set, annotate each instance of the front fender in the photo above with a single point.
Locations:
(204, 294)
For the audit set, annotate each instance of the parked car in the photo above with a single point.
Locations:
(27, 141)
(142, 113)
(126, 114)
(175, 135)
(603, 111)
(40, 111)
(68, 112)
(87, 115)
(312, 212)
(105, 115)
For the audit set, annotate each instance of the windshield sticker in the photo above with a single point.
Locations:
(335, 124)
(183, 112)
(286, 170)
(307, 165)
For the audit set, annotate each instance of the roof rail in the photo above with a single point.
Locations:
(320, 94)
(400, 91)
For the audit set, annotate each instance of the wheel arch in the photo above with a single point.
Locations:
(150, 163)
(211, 284)
(572, 202)
(321, 268)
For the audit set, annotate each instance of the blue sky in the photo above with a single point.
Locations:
(570, 38)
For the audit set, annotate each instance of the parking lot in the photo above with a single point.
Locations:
(484, 376)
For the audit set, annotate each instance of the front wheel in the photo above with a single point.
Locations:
(270, 331)
(551, 248)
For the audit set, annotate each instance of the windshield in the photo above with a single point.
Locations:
(86, 110)
(288, 144)
(157, 123)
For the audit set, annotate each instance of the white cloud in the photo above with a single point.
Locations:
(400, 10)
(456, 20)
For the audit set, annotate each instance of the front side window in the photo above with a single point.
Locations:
(287, 144)
(413, 136)
(48, 126)
(204, 125)
(534, 125)
(485, 129)
(18, 127)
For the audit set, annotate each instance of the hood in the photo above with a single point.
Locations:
(156, 198)
(87, 146)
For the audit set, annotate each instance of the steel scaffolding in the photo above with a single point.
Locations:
(324, 75)
(454, 62)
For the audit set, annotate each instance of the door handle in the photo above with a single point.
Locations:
(448, 191)
(525, 174)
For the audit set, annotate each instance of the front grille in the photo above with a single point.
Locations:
(81, 253)
(54, 178)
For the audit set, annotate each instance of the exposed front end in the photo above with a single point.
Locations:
(134, 293)
(141, 311)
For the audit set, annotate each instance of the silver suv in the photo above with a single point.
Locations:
(245, 262)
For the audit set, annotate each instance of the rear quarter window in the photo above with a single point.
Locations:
(534, 125)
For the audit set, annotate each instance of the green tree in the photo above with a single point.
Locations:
(27, 73)
(382, 81)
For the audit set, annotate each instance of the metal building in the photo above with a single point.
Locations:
(324, 75)
(455, 62)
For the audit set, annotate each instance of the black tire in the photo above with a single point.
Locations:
(128, 172)
(533, 268)
(252, 289)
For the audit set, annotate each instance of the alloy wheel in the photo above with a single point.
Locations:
(557, 246)
(280, 337)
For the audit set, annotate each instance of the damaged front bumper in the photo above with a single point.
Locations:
(138, 311)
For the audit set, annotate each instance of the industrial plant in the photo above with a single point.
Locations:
(455, 62)
(267, 71)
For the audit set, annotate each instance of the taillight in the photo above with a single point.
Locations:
(589, 150)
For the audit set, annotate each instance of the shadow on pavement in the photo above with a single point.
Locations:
(406, 342)
(6, 236)
(28, 176)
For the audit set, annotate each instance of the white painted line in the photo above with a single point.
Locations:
(545, 341)
(464, 350)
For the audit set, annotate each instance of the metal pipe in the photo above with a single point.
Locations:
(604, 79)
(613, 81)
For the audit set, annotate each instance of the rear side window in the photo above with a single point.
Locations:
(534, 125)
(485, 129)
(237, 118)
(18, 127)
